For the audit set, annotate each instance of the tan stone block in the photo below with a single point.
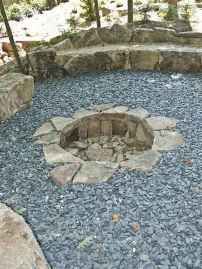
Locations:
(140, 133)
(55, 154)
(144, 59)
(106, 128)
(64, 174)
(94, 128)
(132, 128)
(83, 130)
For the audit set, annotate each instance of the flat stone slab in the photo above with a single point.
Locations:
(64, 174)
(50, 138)
(102, 107)
(60, 122)
(16, 91)
(97, 153)
(46, 128)
(143, 161)
(83, 113)
(55, 154)
(93, 172)
(117, 109)
(167, 140)
(158, 56)
(139, 112)
(161, 123)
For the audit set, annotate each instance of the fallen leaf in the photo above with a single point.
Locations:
(188, 162)
(86, 242)
(116, 217)
(136, 227)
(20, 211)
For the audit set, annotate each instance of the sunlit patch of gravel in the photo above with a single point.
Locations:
(74, 224)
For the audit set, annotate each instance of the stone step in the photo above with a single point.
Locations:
(162, 57)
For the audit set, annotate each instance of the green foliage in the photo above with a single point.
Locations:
(186, 12)
(172, 13)
(15, 12)
(86, 242)
(87, 10)
(21, 211)
(57, 39)
(27, 10)
(39, 5)
(73, 22)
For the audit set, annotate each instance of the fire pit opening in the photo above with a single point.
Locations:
(107, 136)
(88, 147)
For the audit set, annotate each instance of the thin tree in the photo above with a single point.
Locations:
(130, 11)
(51, 3)
(10, 36)
(97, 14)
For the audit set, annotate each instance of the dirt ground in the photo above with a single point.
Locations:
(53, 22)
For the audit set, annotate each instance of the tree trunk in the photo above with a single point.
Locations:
(130, 11)
(10, 36)
(51, 3)
(97, 14)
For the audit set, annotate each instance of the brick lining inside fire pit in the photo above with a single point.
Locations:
(93, 143)
(106, 127)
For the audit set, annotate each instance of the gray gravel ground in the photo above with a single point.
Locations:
(74, 224)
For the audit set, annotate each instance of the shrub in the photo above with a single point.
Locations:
(172, 13)
(88, 10)
(73, 22)
(27, 10)
(186, 12)
(15, 12)
(39, 5)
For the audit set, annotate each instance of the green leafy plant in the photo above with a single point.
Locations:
(21, 211)
(39, 5)
(186, 12)
(27, 10)
(172, 13)
(15, 12)
(87, 10)
(73, 22)
(86, 242)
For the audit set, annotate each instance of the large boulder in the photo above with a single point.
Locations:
(184, 61)
(86, 38)
(97, 61)
(18, 246)
(42, 64)
(116, 34)
(16, 91)
(157, 35)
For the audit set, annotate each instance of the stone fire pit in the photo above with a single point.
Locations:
(91, 145)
